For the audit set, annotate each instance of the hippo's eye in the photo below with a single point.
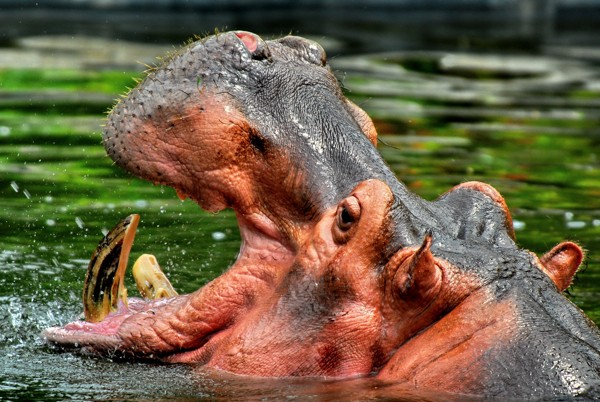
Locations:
(347, 215)
(345, 219)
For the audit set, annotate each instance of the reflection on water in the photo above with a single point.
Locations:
(528, 125)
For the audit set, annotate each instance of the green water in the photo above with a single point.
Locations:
(527, 126)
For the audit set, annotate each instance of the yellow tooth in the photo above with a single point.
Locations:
(103, 286)
(150, 280)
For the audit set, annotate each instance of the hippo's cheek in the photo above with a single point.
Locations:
(466, 343)
(203, 151)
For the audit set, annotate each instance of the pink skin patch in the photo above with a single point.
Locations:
(110, 325)
(250, 40)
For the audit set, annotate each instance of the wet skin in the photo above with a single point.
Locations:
(342, 271)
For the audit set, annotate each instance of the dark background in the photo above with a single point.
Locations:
(360, 25)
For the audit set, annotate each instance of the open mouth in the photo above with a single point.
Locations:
(116, 325)
(104, 291)
(183, 127)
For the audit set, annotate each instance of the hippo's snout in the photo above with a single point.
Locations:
(234, 105)
(231, 66)
(142, 122)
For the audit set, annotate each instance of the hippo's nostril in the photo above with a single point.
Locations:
(262, 53)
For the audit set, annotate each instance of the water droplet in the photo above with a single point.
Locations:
(14, 186)
(27, 194)
(48, 198)
(50, 222)
(576, 224)
(79, 222)
(596, 222)
(569, 216)
(518, 225)
(141, 203)
(218, 236)
(4, 131)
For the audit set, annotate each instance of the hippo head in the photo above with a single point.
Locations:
(262, 127)
(342, 270)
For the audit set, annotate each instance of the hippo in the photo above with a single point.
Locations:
(342, 272)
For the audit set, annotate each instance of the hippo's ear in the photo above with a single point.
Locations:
(561, 263)
(417, 276)
(363, 120)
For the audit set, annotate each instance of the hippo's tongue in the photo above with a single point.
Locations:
(104, 281)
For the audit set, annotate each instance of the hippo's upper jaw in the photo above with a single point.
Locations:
(234, 121)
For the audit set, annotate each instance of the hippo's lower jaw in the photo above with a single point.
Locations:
(111, 337)
(226, 322)
(175, 328)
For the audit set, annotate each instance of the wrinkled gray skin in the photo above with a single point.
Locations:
(294, 106)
